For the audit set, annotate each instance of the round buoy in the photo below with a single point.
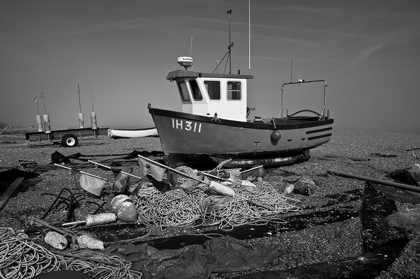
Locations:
(117, 201)
(275, 135)
(127, 212)
(124, 208)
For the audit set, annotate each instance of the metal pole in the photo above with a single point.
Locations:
(110, 168)
(36, 102)
(192, 37)
(291, 71)
(229, 12)
(389, 183)
(80, 104)
(42, 98)
(249, 39)
(91, 96)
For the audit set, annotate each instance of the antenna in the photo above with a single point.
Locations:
(291, 71)
(229, 12)
(249, 38)
(192, 37)
(43, 101)
(91, 96)
(80, 104)
(228, 53)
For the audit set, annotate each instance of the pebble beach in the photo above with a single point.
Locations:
(383, 153)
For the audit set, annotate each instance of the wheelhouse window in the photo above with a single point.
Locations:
(233, 90)
(213, 89)
(195, 90)
(183, 92)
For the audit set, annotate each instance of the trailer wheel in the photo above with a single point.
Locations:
(69, 140)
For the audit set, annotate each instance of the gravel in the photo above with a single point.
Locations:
(320, 243)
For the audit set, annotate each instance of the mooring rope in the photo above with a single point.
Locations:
(20, 257)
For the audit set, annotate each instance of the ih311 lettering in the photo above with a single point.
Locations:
(186, 125)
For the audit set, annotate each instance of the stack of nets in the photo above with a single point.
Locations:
(20, 257)
(193, 204)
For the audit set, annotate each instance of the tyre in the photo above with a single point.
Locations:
(69, 140)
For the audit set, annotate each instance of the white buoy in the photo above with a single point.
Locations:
(56, 240)
(86, 241)
(100, 219)
(221, 189)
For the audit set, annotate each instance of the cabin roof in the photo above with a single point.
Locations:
(191, 74)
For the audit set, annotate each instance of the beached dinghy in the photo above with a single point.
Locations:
(132, 133)
(214, 122)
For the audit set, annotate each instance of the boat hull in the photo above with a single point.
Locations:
(183, 133)
(266, 162)
(132, 133)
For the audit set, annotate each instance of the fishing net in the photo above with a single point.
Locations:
(193, 204)
(20, 257)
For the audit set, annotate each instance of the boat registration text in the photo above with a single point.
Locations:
(186, 125)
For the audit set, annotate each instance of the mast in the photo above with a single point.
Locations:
(80, 103)
(229, 12)
(249, 38)
(192, 37)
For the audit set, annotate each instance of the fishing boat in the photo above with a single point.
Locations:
(214, 122)
(132, 133)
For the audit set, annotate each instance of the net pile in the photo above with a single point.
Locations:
(192, 204)
(20, 257)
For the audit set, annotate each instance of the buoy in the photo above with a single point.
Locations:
(289, 189)
(56, 240)
(118, 200)
(86, 241)
(275, 135)
(100, 219)
(221, 189)
(127, 212)
(124, 208)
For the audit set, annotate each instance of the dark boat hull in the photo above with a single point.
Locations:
(184, 133)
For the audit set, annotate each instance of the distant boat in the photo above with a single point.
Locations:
(132, 133)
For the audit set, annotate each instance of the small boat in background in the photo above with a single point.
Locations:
(132, 133)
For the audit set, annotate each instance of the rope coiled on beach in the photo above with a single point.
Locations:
(20, 257)
(192, 204)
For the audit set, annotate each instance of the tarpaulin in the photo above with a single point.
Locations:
(224, 254)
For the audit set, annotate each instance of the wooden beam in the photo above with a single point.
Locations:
(9, 191)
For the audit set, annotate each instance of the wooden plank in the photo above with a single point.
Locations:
(9, 191)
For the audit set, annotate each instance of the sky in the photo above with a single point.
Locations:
(120, 52)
